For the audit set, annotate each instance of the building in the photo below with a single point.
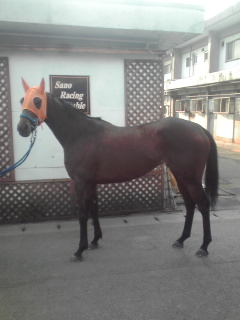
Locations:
(202, 77)
(115, 48)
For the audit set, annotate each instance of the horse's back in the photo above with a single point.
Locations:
(177, 125)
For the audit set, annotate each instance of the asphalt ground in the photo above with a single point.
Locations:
(229, 176)
(134, 274)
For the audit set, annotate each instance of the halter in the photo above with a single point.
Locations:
(35, 121)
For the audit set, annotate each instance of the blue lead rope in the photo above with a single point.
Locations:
(19, 162)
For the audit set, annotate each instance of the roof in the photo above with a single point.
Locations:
(89, 24)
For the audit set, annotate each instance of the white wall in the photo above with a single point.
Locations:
(200, 119)
(198, 69)
(223, 126)
(106, 100)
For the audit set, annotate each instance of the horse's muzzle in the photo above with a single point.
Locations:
(24, 127)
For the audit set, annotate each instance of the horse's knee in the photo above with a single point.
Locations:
(83, 218)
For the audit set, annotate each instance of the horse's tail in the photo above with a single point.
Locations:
(211, 173)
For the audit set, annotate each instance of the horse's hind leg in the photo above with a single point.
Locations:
(190, 207)
(203, 204)
(96, 224)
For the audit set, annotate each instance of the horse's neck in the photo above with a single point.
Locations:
(65, 128)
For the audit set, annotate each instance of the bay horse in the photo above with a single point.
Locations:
(97, 152)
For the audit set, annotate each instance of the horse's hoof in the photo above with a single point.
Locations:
(202, 253)
(177, 244)
(76, 258)
(93, 246)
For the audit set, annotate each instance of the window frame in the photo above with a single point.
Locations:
(183, 105)
(196, 108)
(224, 109)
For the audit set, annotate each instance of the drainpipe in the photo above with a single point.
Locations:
(190, 67)
(234, 119)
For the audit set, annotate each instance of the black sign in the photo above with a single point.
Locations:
(73, 89)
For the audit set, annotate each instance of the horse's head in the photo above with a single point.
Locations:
(34, 108)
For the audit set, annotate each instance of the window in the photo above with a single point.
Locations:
(167, 68)
(223, 105)
(188, 61)
(194, 59)
(197, 105)
(233, 50)
(229, 53)
(182, 105)
(205, 56)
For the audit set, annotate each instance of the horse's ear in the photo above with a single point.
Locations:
(25, 85)
(42, 86)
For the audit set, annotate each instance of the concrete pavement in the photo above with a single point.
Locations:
(135, 273)
(228, 149)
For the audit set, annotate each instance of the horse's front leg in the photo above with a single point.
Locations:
(96, 224)
(84, 193)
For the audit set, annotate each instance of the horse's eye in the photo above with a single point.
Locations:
(21, 101)
(37, 102)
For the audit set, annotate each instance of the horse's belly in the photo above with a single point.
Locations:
(126, 157)
(120, 172)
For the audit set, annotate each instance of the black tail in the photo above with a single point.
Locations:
(211, 173)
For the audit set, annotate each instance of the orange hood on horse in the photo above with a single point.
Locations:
(35, 100)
